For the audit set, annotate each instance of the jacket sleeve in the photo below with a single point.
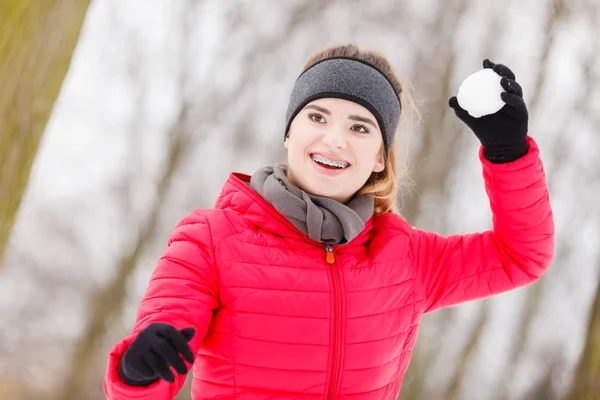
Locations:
(515, 252)
(183, 292)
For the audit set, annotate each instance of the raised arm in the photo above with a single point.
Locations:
(182, 292)
(520, 247)
(517, 251)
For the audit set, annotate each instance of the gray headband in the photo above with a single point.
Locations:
(349, 79)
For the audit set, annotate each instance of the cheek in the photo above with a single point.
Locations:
(301, 138)
(296, 149)
(368, 152)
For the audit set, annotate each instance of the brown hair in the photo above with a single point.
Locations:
(382, 185)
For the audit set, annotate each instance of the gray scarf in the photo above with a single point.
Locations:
(321, 218)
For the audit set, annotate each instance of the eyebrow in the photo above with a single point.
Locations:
(351, 117)
(362, 119)
(318, 108)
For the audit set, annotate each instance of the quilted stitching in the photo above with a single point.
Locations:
(259, 293)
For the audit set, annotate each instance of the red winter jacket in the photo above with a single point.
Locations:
(279, 317)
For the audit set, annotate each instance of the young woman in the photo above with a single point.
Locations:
(303, 282)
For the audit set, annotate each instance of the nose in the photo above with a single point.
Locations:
(335, 138)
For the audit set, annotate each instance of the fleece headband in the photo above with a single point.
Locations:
(349, 79)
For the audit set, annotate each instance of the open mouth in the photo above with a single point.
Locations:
(328, 163)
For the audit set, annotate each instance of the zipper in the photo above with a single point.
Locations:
(337, 322)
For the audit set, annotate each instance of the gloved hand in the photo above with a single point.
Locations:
(153, 351)
(503, 134)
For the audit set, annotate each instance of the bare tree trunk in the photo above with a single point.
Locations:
(586, 383)
(431, 176)
(37, 40)
(108, 302)
(466, 357)
(546, 389)
(556, 14)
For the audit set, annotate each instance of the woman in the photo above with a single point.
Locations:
(303, 282)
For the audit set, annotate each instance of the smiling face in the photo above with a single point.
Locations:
(333, 147)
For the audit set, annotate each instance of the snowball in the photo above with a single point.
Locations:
(479, 94)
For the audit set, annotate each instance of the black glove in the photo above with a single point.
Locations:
(153, 351)
(503, 135)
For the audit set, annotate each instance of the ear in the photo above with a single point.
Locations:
(379, 164)
(285, 143)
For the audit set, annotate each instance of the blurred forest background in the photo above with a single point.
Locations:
(117, 118)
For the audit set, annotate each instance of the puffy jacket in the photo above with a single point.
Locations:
(279, 316)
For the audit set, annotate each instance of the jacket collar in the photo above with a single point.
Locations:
(237, 195)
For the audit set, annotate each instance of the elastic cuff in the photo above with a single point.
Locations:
(501, 154)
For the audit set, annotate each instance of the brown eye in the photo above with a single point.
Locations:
(316, 117)
(360, 128)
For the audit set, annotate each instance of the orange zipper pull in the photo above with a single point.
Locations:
(329, 257)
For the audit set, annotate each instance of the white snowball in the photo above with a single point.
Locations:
(479, 94)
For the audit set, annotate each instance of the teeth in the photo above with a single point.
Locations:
(323, 160)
